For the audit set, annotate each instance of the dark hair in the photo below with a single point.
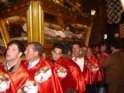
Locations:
(116, 43)
(61, 46)
(19, 44)
(37, 47)
(77, 43)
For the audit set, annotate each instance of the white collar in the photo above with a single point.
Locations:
(33, 64)
(80, 62)
(8, 66)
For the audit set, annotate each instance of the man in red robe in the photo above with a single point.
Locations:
(40, 70)
(68, 72)
(94, 68)
(103, 53)
(13, 75)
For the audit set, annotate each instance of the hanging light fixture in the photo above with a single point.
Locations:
(122, 2)
(93, 12)
(60, 2)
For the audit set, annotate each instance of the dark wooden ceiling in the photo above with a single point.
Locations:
(62, 11)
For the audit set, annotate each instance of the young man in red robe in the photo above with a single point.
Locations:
(93, 72)
(13, 75)
(67, 71)
(40, 70)
(94, 68)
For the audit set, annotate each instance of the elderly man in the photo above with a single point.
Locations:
(40, 70)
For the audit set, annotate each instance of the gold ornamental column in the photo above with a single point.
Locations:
(4, 32)
(35, 22)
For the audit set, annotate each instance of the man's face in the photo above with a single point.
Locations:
(103, 48)
(76, 49)
(12, 53)
(30, 53)
(56, 53)
(89, 52)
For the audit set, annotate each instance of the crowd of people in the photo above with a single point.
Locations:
(70, 69)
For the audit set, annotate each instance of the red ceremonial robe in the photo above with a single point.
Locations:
(93, 76)
(73, 78)
(51, 85)
(102, 56)
(17, 76)
(9, 86)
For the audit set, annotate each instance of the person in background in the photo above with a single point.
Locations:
(13, 74)
(96, 50)
(94, 72)
(103, 53)
(114, 68)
